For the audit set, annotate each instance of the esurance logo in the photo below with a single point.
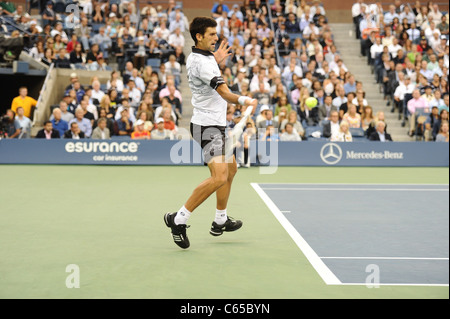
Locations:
(109, 152)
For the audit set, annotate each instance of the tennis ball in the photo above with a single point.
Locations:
(311, 102)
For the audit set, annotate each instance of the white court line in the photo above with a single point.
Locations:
(387, 258)
(328, 277)
(324, 272)
(357, 189)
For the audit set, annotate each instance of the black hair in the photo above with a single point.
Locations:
(199, 25)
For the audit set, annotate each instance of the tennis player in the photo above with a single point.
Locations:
(210, 96)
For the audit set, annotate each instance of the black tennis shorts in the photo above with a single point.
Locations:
(211, 139)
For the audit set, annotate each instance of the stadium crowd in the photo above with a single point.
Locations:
(408, 50)
(282, 53)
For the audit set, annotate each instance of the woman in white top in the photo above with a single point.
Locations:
(343, 135)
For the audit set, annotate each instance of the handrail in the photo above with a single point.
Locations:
(44, 86)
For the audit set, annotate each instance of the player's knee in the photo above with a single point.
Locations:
(232, 170)
(220, 179)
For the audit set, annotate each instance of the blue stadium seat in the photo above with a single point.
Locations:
(154, 63)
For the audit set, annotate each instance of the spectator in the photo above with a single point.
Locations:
(443, 135)
(443, 116)
(416, 106)
(326, 108)
(48, 132)
(290, 135)
(124, 127)
(74, 132)
(24, 123)
(58, 123)
(24, 101)
(12, 126)
(83, 123)
(344, 134)
(352, 118)
(140, 133)
(332, 125)
(160, 133)
(380, 133)
(101, 132)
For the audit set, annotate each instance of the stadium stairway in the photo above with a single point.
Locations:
(349, 49)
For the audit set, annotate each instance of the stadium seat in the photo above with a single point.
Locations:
(154, 63)
(357, 132)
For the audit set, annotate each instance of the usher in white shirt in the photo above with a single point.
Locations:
(204, 77)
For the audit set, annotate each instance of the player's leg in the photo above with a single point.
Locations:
(219, 178)
(177, 221)
(222, 221)
(223, 193)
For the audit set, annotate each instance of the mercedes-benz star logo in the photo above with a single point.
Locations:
(331, 153)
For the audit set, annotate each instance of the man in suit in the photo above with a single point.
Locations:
(74, 132)
(380, 134)
(331, 125)
(48, 132)
(269, 121)
(326, 108)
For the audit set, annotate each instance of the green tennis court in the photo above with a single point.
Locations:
(108, 221)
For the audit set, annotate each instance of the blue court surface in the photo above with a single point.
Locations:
(367, 234)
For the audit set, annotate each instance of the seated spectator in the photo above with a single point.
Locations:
(62, 61)
(269, 133)
(125, 105)
(443, 135)
(24, 123)
(343, 135)
(293, 119)
(48, 132)
(326, 108)
(416, 106)
(352, 118)
(74, 132)
(308, 116)
(160, 133)
(267, 121)
(282, 102)
(380, 133)
(124, 126)
(367, 117)
(140, 133)
(332, 125)
(443, 116)
(290, 134)
(84, 124)
(11, 125)
(101, 132)
(58, 123)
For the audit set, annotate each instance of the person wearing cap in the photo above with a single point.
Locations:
(139, 132)
(49, 15)
(160, 133)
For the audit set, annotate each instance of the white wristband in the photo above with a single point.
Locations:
(242, 99)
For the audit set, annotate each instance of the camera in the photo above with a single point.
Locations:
(4, 125)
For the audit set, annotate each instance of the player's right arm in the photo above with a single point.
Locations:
(232, 98)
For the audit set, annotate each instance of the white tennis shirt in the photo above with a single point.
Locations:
(204, 76)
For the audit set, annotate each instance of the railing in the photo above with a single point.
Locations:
(41, 94)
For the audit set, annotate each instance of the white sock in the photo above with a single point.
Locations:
(182, 216)
(221, 216)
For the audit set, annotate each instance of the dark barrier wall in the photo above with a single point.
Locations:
(186, 152)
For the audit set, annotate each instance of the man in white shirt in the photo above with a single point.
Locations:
(210, 96)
